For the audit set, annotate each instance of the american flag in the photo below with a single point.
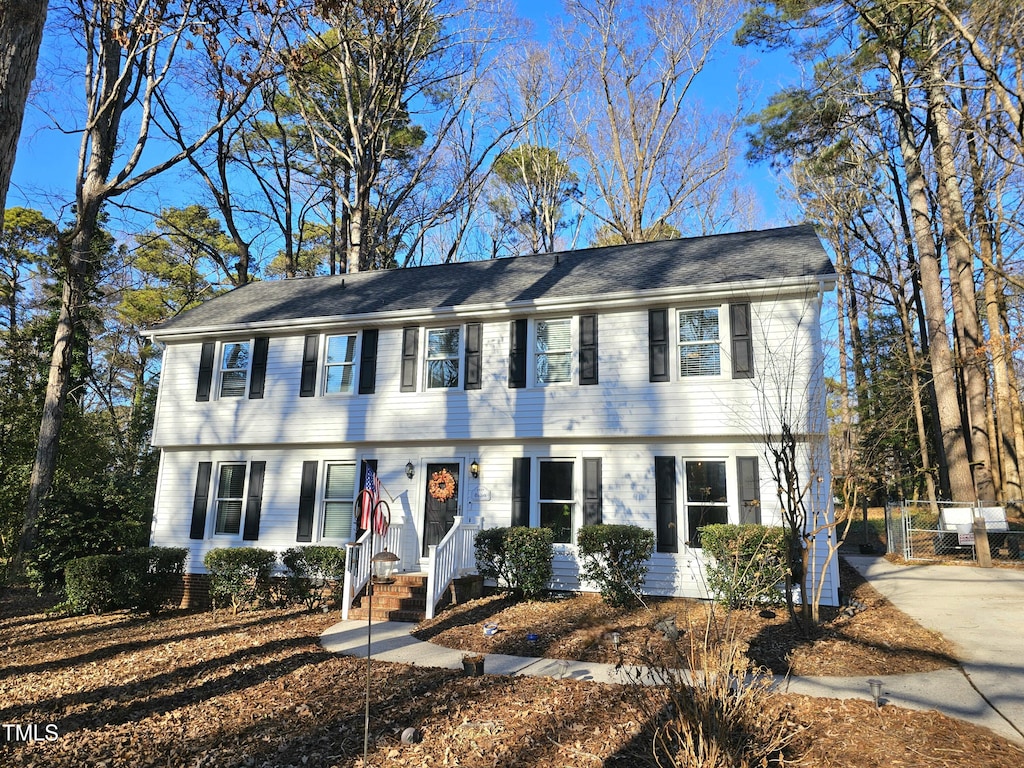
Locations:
(369, 503)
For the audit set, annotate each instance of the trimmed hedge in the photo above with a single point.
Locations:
(518, 557)
(614, 557)
(139, 579)
(240, 576)
(749, 563)
(313, 573)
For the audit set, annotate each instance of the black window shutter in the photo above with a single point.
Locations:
(205, 372)
(254, 502)
(517, 354)
(307, 385)
(742, 343)
(657, 344)
(368, 362)
(592, 492)
(473, 339)
(750, 490)
(360, 484)
(521, 492)
(410, 343)
(258, 373)
(588, 349)
(307, 501)
(665, 500)
(199, 503)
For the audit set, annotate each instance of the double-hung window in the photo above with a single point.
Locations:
(339, 495)
(230, 495)
(699, 349)
(234, 368)
(442, 362)
(556, 499)
(707, 501)
(340, 364)
(553, 351)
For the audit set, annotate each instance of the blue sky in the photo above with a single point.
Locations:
(44, 172)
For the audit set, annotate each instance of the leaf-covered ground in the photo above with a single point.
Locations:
(212, 689)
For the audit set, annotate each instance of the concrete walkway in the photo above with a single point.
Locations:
(980, 610)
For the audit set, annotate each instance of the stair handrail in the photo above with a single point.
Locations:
(357, 567)
(454, 556)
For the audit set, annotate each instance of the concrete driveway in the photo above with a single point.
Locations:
(980, 610)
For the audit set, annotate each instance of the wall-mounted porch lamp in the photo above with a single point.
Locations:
(474, 468)
(410, 470)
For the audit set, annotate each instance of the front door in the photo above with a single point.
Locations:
(442, 503)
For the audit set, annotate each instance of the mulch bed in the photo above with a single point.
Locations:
(213, 689)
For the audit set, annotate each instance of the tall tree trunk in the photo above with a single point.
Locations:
(961, 271)
(21, 32)
(943, 375)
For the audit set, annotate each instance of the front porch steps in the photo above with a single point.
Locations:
(405, 599)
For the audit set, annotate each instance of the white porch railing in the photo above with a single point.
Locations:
(357, 569)
(454, 556)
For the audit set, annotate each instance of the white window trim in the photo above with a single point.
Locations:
(731, 494)
(459, 358)
(724, 358)
(573, 351)
(322, 500)
(217, 499)
(577, 492)
(221, 349)
(356, 360)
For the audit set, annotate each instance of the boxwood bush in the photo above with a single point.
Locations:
(140, 579)
(239, 576)
(313, 574)
(614, 557)
(518, 558)
(749, 563)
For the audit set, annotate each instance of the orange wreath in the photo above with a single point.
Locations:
(442, 485)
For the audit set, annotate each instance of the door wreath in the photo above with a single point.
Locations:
(442, 485)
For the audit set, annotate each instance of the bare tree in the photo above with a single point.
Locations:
(21, 33)
(128, 48)
(648, 145)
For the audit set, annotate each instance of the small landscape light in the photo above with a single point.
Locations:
(616, 638)
(876, 689)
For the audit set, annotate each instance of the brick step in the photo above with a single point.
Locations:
(404, 599)
(410, 617)
(393, 602)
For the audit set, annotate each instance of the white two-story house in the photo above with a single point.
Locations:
(625, 384)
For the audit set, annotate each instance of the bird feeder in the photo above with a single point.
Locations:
(383, 565)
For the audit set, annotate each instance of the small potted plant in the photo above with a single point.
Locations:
(473, 664)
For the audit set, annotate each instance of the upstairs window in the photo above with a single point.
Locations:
(234, 368)
(340, 365)
(442, 363)
(699, 351)
(230, 494)
(553, 352)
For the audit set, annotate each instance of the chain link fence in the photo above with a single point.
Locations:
(926, 530)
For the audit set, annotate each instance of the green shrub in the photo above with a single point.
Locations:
(151, 573)
(519, 557)
(313, 574)
(614, 557)
(749, 562)
(94, 584)
(140, 579)
(239, 576)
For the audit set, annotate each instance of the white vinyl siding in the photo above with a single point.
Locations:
(234, 368)
(442, 361)
(339, 364)
(553, 351)
(699, 347)
(339, 495)
(230, 495)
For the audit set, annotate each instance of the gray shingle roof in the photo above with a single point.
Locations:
(787, 252)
